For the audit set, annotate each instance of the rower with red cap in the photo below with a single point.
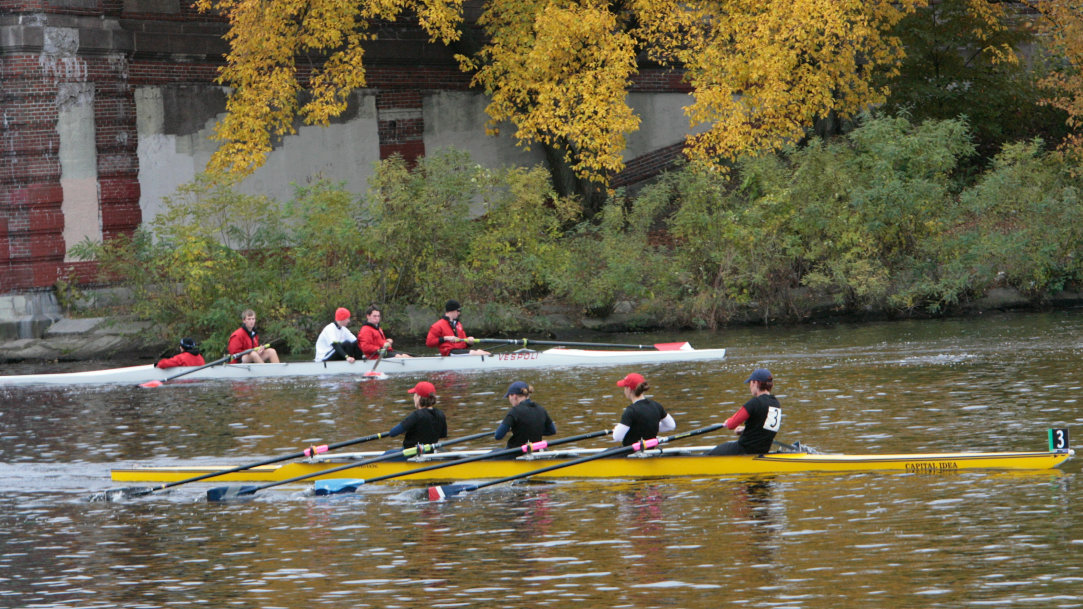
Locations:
(336, 342)
(644, 418)
(247, 337)
(426, 424)
(757, 421)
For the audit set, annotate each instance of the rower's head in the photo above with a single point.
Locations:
(452, 309)
(424, 394)
(372, 315)
(342, 316)
(518, 391)
(760, 381)
(189, 345)
(248, 318)
(634, 385)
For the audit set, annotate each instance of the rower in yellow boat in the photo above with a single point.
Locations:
(644, 418)
(757, 421)
(526, 420)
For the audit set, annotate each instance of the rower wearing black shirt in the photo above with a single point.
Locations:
(644, 418)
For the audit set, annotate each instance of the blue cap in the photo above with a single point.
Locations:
(188, 344)
(760, 375)
(517, 388)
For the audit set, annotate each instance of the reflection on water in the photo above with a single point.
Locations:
(808, 541)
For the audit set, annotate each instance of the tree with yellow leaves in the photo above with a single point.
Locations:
(762, 71)
(1063, 25)
(267, 36)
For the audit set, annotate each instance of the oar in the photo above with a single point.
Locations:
(436, 493)
(680, 346)
(379, 358)
(152, 384)
(349, 485)
(139, 491)
(223, 493)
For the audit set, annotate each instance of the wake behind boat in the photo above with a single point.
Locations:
(521, 359)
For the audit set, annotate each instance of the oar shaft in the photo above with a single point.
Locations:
(489, 455)
(612, 452)
(563, 343)
(406, 451)
(215, 362)
(308, 452)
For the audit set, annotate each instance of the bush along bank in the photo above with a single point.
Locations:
(875, 223)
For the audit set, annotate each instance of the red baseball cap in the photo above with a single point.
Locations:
(342, 313)
(631, 381)
(424, 389)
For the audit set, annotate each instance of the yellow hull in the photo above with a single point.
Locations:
(624, 467)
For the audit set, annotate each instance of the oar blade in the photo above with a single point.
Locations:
(685, 346)
(225, 493)
(151, 384)
(118, 494)
(335, 486)
(376, 376)
(439, 493)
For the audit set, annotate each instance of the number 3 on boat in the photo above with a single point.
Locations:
(1058, 440)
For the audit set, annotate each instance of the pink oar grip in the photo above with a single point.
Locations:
(528, 447)
(645, 444)
(315, 450)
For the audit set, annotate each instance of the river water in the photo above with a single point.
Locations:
(798, 541)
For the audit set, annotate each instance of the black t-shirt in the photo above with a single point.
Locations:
(424, 426)
(642, 419)
(528, 423)
(764, 421)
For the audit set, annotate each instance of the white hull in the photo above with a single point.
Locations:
(557, 357)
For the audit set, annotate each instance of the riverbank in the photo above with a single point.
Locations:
(34, 328)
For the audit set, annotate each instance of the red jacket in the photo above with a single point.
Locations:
(371, 339)
(181, 359)
(241, 341)
(442, 328)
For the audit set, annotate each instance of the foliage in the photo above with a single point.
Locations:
(519, 236)
(560, 70)
(267, 36)
(1063, 26)
(962, 59)
(1020, 226)
(875, 221)
(417, 227)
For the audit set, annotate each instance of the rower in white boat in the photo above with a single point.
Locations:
(448, 335)
(336, 342)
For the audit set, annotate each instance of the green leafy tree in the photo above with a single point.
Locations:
(963, 58)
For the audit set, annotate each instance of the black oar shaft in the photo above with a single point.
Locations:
(308, 452)
(563, 343)
(612, 452)
(490, 455)
(214, 363)
(406, 451)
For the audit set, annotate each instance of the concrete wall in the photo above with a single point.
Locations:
(456, 119)
(175, 125)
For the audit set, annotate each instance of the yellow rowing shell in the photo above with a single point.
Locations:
(661, 466)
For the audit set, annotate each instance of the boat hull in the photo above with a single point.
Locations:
(659, 466)
(557, 357)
